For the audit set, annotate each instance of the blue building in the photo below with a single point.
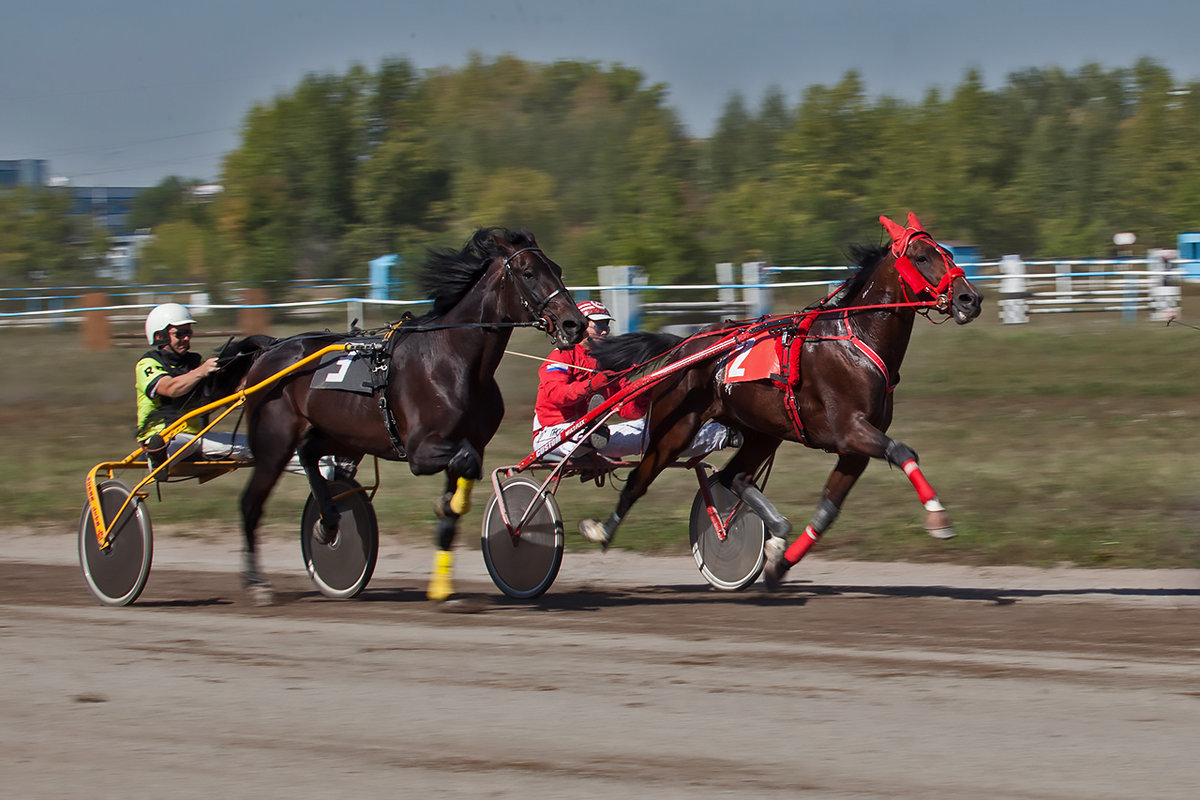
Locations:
(24, 172)
(107, 205)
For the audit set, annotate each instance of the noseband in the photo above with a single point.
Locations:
(536, 309)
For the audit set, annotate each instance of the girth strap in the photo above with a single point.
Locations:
(381, 360)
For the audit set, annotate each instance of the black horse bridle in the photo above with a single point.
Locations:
(542, 322)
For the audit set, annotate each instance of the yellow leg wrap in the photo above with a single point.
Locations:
(440, 585)
(460, 503)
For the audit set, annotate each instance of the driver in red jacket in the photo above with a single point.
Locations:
(567, 382)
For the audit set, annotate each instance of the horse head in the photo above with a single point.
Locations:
(233, 362)
(928, 270)
(536, 282)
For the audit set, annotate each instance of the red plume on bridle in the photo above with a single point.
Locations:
(902, 236)
(914, 279)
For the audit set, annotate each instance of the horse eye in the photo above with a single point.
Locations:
(528, 273)
(924, 259)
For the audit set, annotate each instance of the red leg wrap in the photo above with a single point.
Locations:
(798, 548)
(924, 490)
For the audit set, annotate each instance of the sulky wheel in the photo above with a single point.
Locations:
(734, 562)
(117, 574)
(343, 567)
(526, 565)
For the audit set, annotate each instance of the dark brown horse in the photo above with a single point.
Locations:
(439, 405)
(838, 363)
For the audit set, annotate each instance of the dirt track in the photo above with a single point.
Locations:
(630, 679)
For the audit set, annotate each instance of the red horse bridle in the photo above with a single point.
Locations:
(911, 277)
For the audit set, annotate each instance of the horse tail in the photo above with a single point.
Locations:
(629, 350)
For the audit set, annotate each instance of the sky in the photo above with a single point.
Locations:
(129, 92)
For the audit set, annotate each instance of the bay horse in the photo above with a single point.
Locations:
(840, 361)
(438, 406)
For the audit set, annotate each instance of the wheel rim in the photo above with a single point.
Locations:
(526, 566)
(733, 562)
(343, 567)
(117, 574)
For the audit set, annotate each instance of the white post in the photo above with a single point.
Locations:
(1013, 308)
(1062, 283)
(726, 294)
(354, 314)
(758, 300)
(619, 293)
(198, 303)
(1165, 284)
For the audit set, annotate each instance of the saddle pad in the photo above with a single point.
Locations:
(350, 372)
(756, 360)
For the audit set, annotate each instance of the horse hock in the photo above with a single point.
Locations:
(751, 495)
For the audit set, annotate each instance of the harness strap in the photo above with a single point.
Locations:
(381, 360)
(793, 346)
(870, 353)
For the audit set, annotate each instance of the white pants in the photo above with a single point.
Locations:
(220, 446)
(627, 438)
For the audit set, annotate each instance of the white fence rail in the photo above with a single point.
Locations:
(1020, 289)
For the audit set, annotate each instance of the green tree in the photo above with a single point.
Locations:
(42, 240)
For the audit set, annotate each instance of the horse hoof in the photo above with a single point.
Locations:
(593, 531)
(775, 566)
(937, 525)
(260, 594)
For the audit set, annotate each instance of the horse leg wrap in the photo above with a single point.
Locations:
(460, 503)
(827, 512)
(440, 584)
(750, 494)
(903, 456)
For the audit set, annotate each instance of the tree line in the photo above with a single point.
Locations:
(346, 167)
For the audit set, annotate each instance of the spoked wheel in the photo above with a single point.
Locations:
(734, 562)
(117, 574)
(525, 565)
(342, 568)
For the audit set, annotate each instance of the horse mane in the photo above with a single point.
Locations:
(619, 353)
(449, 274)
(233, 362)
(867, 257)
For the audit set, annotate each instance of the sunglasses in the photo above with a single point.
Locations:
(181, 333)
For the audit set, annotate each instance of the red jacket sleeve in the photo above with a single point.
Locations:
(561, 387)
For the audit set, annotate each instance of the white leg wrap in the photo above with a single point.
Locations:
(934, 505)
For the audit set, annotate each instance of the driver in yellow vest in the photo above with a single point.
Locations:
(166, 375)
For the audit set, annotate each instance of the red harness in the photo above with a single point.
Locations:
(792, 343)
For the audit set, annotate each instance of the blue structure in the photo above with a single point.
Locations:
(1188, 245)
(966, 256)
(380, 276)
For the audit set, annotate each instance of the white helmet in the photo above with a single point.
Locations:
(162, 317)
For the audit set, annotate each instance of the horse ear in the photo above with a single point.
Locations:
(913, 222)
(894, 230)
